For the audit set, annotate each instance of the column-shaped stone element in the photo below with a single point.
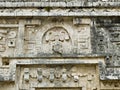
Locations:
(39, 77)
(51, 77)
(102, 70)
(26, 74)
(64, 76)
(20, 41)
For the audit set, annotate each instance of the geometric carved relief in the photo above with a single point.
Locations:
(101, 40)
(114, 34)
(83, 39)
(2, 40)
(110, 85)
(29, 39)
(7, 38)
(83, 43)
(8, 21)
(108, 41)
(11, 38)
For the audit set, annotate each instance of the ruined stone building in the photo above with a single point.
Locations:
(59, 44)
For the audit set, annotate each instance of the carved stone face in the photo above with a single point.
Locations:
(57, 38)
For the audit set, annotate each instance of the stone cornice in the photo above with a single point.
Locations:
(18, 3)
(60, 12)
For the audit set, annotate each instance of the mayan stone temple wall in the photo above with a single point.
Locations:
(59, 44)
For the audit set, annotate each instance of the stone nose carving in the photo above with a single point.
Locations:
(51, 77)
(57, 48)
(26, 74)
(64, 75)
(40, 76)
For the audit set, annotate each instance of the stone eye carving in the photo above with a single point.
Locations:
(12, 34)
(50, 36)
(11, 39)
(11, 42)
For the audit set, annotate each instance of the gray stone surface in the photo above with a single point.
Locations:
(59, 44)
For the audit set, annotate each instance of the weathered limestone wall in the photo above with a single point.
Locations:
(53, 45)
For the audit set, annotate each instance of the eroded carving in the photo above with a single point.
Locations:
(2, 40)
(26, 74)
(102, 41)
(33, 22)
(80, 21)
(110, 84)
(108, 36)
(51, 76)
(59, 76)
(40, 76)
(57, 38)
(8, 21)
(64, 75)
(7, 39)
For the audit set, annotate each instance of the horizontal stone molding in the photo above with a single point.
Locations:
(46, 61)
(60, 13)
(58, 4)
(49, 56)
(9, 25)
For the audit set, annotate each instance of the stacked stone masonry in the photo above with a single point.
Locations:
(59, 44)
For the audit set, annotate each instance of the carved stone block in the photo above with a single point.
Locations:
(2, 48)
(26, 74)
(51, 76)
(83, 43)
(76, 78)
(11, 43)
(64, 77)
(12, 34)
(40, 76)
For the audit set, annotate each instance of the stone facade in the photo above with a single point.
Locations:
(59, 45)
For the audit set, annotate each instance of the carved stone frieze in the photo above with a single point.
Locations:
(107, 42)
(57, 39)
(7, 40)
(49, 11)
(48, 75)
(110, 85)
(59, 44)
(26, 74)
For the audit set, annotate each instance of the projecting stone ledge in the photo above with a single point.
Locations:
(59, 4)
(59, 12)
(38, 56)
